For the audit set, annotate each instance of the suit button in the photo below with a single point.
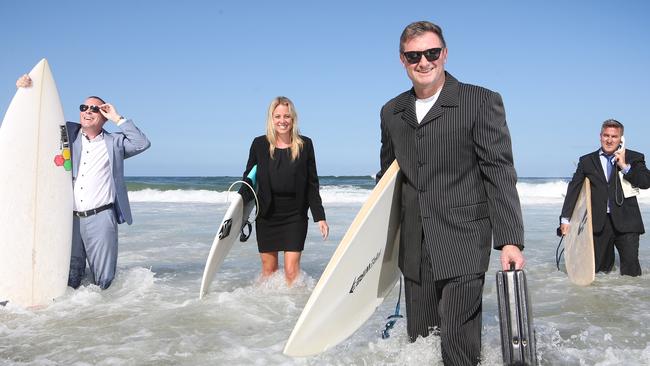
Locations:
(420, 164)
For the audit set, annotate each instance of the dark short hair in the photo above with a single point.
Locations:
(416, 29)
(96, 97)
(612, 123)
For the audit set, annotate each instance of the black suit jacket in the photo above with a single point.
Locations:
(307, 186)
(624, 212)
(459, 182)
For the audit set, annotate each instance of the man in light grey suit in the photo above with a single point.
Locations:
(100, 197)
(458, 193)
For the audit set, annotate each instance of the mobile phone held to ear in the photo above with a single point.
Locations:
(622, 145)
(628, 189)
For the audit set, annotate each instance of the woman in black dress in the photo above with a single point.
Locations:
(287, 187)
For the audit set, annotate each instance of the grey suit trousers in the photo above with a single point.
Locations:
(94, 238)
(451, 308)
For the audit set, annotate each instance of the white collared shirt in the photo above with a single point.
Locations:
(604, 161)
(423, 106)
(93, 186)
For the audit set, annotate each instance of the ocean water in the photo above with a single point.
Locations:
(151, 314)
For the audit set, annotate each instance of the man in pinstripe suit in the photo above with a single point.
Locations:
(458, 193)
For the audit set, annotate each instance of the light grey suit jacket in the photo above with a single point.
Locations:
(459, 183)
(120, 145)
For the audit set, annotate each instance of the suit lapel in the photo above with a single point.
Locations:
(448, 98)
(108, 139)
(76, 151)
(595, 159)
(435, 112)
(405, 104)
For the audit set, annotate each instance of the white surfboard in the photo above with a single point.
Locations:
(229, 231)
(362, 272)
(35, 194)
(579, 242)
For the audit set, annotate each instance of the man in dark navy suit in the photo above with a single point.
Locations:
(616, 219)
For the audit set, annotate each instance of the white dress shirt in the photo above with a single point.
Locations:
(93, 186)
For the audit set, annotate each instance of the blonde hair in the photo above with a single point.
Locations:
(296, 141)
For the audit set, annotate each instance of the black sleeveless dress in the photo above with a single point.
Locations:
(284, 226)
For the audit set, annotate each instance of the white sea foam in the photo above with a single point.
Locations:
(151, 314)
(344, 194)
(542, 193)
(329, 194)
(529, 193)
(179, 196)
(554, 192)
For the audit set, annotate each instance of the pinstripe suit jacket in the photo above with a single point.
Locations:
(458, 186)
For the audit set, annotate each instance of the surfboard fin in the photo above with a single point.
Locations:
(515, 318)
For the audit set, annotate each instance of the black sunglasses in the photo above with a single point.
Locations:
(93, 108)
(413, 57)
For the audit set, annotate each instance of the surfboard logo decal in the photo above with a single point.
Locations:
(583, 222)
(63, 159)
(224, 231)
(357, 280)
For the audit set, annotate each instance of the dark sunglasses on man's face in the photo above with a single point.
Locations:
(93, 108)
(413, 57)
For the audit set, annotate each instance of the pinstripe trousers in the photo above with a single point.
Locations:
(450, 308)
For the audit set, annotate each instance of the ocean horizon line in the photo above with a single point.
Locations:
(320, 176)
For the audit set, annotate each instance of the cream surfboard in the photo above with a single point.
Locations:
(579, 242)
(229, 231)
(36, 194)
(361, 273)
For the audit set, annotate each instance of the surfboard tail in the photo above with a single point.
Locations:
(358, 277)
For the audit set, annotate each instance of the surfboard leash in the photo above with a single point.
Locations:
(249, 223)
(257, 203)
(393, 318)
(558, 253)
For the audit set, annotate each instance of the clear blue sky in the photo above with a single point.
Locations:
(197, 76)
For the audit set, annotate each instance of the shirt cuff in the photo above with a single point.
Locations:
(626, 169)
(564, 220)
